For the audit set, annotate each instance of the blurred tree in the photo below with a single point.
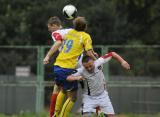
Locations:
(110, 21)
(141, 20)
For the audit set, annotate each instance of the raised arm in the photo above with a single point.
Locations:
(53, 49)
(107, 57)
(121, 60)
(58, 42)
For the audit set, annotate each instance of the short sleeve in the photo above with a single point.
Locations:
(103, 59)
(87, 43)
(56, 36)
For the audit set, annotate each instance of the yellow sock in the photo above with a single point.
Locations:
(59, 103)
(66, 108)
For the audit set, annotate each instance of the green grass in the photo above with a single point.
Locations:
(138, 115)
(45, 114)
(42, 114)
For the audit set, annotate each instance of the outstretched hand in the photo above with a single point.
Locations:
(125, 65)
(80, 78)
(46, 60)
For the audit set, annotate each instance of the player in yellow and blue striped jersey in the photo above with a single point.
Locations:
(74, 41)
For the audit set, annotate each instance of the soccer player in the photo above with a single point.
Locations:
(95, 93)
(75, 42)
(55, 27)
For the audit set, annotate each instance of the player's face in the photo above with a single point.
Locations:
(89, 66)
(53, 27)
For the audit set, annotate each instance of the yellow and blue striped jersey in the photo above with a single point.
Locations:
(75, 42)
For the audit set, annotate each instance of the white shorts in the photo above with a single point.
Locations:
(102, 100)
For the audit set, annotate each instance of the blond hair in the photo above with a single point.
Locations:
(80, 23)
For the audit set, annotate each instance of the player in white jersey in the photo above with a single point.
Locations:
(95, 94)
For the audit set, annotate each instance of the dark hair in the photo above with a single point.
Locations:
(86, 58)
(54, 20)
(80, 24)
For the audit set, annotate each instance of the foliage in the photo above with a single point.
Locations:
(144, 61)
(12, 57)
(110, 21)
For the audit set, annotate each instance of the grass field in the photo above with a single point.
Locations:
(45, 114)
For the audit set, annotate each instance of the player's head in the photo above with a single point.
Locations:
(88, 63)
(53, 24)
(80, 24)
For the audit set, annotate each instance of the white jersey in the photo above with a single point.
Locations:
(59, 35)
(95, 82)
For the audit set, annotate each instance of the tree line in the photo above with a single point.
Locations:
(110, 22)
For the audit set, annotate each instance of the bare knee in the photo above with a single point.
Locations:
(56, 89)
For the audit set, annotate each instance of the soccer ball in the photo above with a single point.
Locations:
(69, 11)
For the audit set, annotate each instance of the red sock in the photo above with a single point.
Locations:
(52, 104)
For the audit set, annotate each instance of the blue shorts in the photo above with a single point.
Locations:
(61, 75)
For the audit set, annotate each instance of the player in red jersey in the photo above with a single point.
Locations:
(54, 25)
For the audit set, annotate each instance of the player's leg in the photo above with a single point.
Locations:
(97, 110)
(107, 111)
(62, 74)
(72, 95)
(55, 92)
(59, 103)
(88, 107)
(71, 89)
(106, 105)
(61, 95)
